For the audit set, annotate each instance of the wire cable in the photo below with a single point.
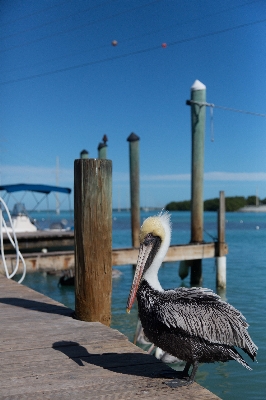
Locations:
(3, 227)
(34, 13)
(189, 102)
(192, 20)
(79, 27)
(233, 28)
(57, 20)
(127, 39)
(146, 50)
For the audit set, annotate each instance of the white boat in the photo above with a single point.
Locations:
(20, 220)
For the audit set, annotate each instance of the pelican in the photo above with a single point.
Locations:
(193, 324)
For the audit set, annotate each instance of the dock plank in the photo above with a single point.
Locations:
(64, 260)
(46, 354)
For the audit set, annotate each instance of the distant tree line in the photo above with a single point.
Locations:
(231, 204)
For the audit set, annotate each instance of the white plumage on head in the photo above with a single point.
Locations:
(159, 225)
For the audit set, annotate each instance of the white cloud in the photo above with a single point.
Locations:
(235, 176)
(210, 176)
(176, 177)
(27, 174)
(45, 175)
(120, 176)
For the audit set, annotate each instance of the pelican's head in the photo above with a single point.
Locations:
(155, 235)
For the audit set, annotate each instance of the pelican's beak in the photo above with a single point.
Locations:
(144, 253)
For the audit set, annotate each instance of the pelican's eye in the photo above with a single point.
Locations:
(148, 239)
(153, 243)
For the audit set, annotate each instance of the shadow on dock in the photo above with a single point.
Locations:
(126, 363)
(37, 306)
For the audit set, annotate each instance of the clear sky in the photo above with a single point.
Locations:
(63, 86)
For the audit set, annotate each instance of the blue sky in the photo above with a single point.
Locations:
(63, 86)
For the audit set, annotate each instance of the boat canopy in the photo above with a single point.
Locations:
(34, 188)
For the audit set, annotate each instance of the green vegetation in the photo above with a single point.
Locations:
(251, 200)
(234, 203)
(178, 206)
(231, 204)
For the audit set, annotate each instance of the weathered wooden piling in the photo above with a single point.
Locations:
(221, 259)
(84, 154)
(133, 140)
(198, 95)
(93, 239)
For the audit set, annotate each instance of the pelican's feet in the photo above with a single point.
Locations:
(179, 378)
(168, 374)
(184, 381)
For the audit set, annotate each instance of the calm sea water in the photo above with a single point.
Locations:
(246, 290)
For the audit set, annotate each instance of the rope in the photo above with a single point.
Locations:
(13, 242)
(189, 102)
(215, 239)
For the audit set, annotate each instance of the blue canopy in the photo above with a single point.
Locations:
(34, 188)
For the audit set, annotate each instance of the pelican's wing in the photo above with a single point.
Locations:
(202, 313)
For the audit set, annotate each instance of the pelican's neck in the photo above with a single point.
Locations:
(151, 275)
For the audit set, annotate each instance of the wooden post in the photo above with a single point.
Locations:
(93, 239)
(221, 223)
(221, 259)
(84, 154)
(133, 140)
(102, 151)
(198, 94)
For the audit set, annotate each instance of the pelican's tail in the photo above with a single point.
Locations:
(237, 357)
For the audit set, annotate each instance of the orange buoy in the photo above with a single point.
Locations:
(114, 43)
(164, 45)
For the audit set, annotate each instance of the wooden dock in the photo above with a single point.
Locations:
(56, 242)
(59, 251)
(37, 241)
(46, 354)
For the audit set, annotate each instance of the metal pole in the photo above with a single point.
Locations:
(133, 140)
(93, 239)
(198, 94)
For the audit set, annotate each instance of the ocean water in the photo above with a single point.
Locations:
(246, 290)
